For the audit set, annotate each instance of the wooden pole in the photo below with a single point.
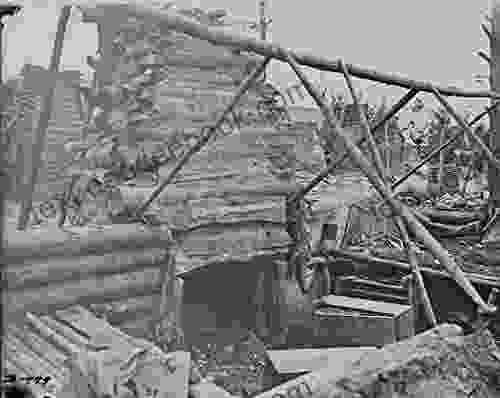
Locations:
(415, 227)
(263, 27)
(377, 159)
(493, 173)
(412, 260)
(204, 138)
(45, 113)
(265, 48)
(441, 160)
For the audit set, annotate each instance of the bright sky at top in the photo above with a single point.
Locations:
(427, 40)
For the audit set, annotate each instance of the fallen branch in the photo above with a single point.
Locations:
(415, 227)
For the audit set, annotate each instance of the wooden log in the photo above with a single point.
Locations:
(398, 208)
(56, 270)
(268, 49)
(413, 261)
(95, 290)
(22, 246)
(377, 159)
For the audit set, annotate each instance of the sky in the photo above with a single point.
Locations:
(427, 40)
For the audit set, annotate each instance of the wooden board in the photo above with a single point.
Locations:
(377, 307)
(306, 360)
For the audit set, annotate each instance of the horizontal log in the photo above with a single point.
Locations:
(111, 13)
(61, 270)
(84, 292)
(53, 242)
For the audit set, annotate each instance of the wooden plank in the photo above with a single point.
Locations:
(377, 307)
(307, 360)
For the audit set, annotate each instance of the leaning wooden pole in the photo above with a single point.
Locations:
(377, 159)
(43, 123)
(204, 138)
(223, 37)
(414, 226)
(415, 268)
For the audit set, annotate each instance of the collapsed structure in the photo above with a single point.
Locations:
(226, 201)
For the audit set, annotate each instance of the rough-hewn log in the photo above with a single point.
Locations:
(39, 245)
(264, 48)
(87, 291)
(398, 208)
(60, 270)
(413, 367)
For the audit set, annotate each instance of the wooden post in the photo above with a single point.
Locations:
(441, 160)
(493, 173)
(263, 23)
(45, 113)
